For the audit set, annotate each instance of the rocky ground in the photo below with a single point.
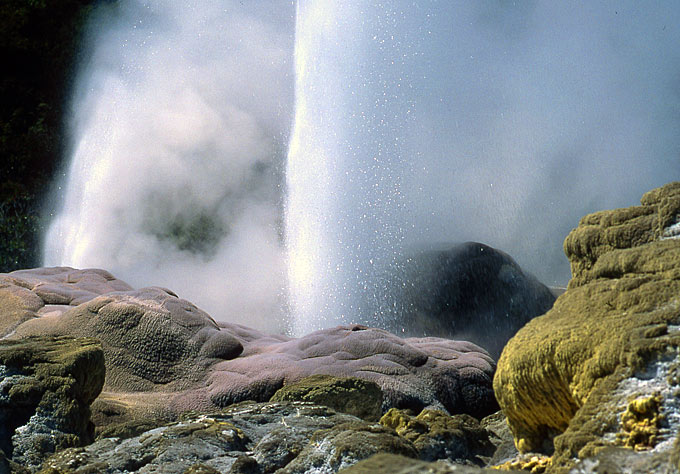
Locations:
(96, 376)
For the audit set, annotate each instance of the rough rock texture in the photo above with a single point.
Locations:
(345, 444)
(46, 386)
(621, 460)
(500, 435)
(49, 292)
(412, 373)
(396, 464)
(611, 338)
(151, 338)
(262, 437)
(657, 218)
(155, 341)
(352, 395)
(127, 414)
(470, 291)
(436, 435)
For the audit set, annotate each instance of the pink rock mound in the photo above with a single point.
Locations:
(413, 372)
(40, 292)
(155, 341)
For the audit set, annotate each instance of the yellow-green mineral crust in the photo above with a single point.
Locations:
(556, 376)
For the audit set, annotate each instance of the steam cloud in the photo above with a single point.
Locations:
(179, 124)
(526, 116)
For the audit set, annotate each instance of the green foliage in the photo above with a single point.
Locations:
(38, 44)
(19, 229)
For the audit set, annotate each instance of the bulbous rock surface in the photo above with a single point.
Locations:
(155, 341)
(49, 292)
(412, 372)
(151, 338)
(612, 338)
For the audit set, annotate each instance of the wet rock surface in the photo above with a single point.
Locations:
(469, 291)
(435, 435)
(396, 464)
(285, 437)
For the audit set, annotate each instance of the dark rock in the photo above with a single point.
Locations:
(202, 469)
(470, 291)
(352, 395)
(46, 387)
(245, 465)
(436, 435)
(500, 435)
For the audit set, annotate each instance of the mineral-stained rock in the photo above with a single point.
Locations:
(126, 414)
(352, 395)
(611, 338)
(597, 234)
(46, 386)
(436, 435)
(150, 337)
(345, 444)
(622, 460)
(469, 291)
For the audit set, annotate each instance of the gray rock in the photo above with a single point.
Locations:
(46, 386)
(396, 464)
(218, 441)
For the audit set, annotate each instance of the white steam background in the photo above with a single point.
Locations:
(525, 117)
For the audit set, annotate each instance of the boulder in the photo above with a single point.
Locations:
(151, 338)
(46, 387)
(412, 373)
(436, 435)
(352, 395)
(582, 377)
(468, 291)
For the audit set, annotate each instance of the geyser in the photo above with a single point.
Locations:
(503, 123)
(345, 211)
